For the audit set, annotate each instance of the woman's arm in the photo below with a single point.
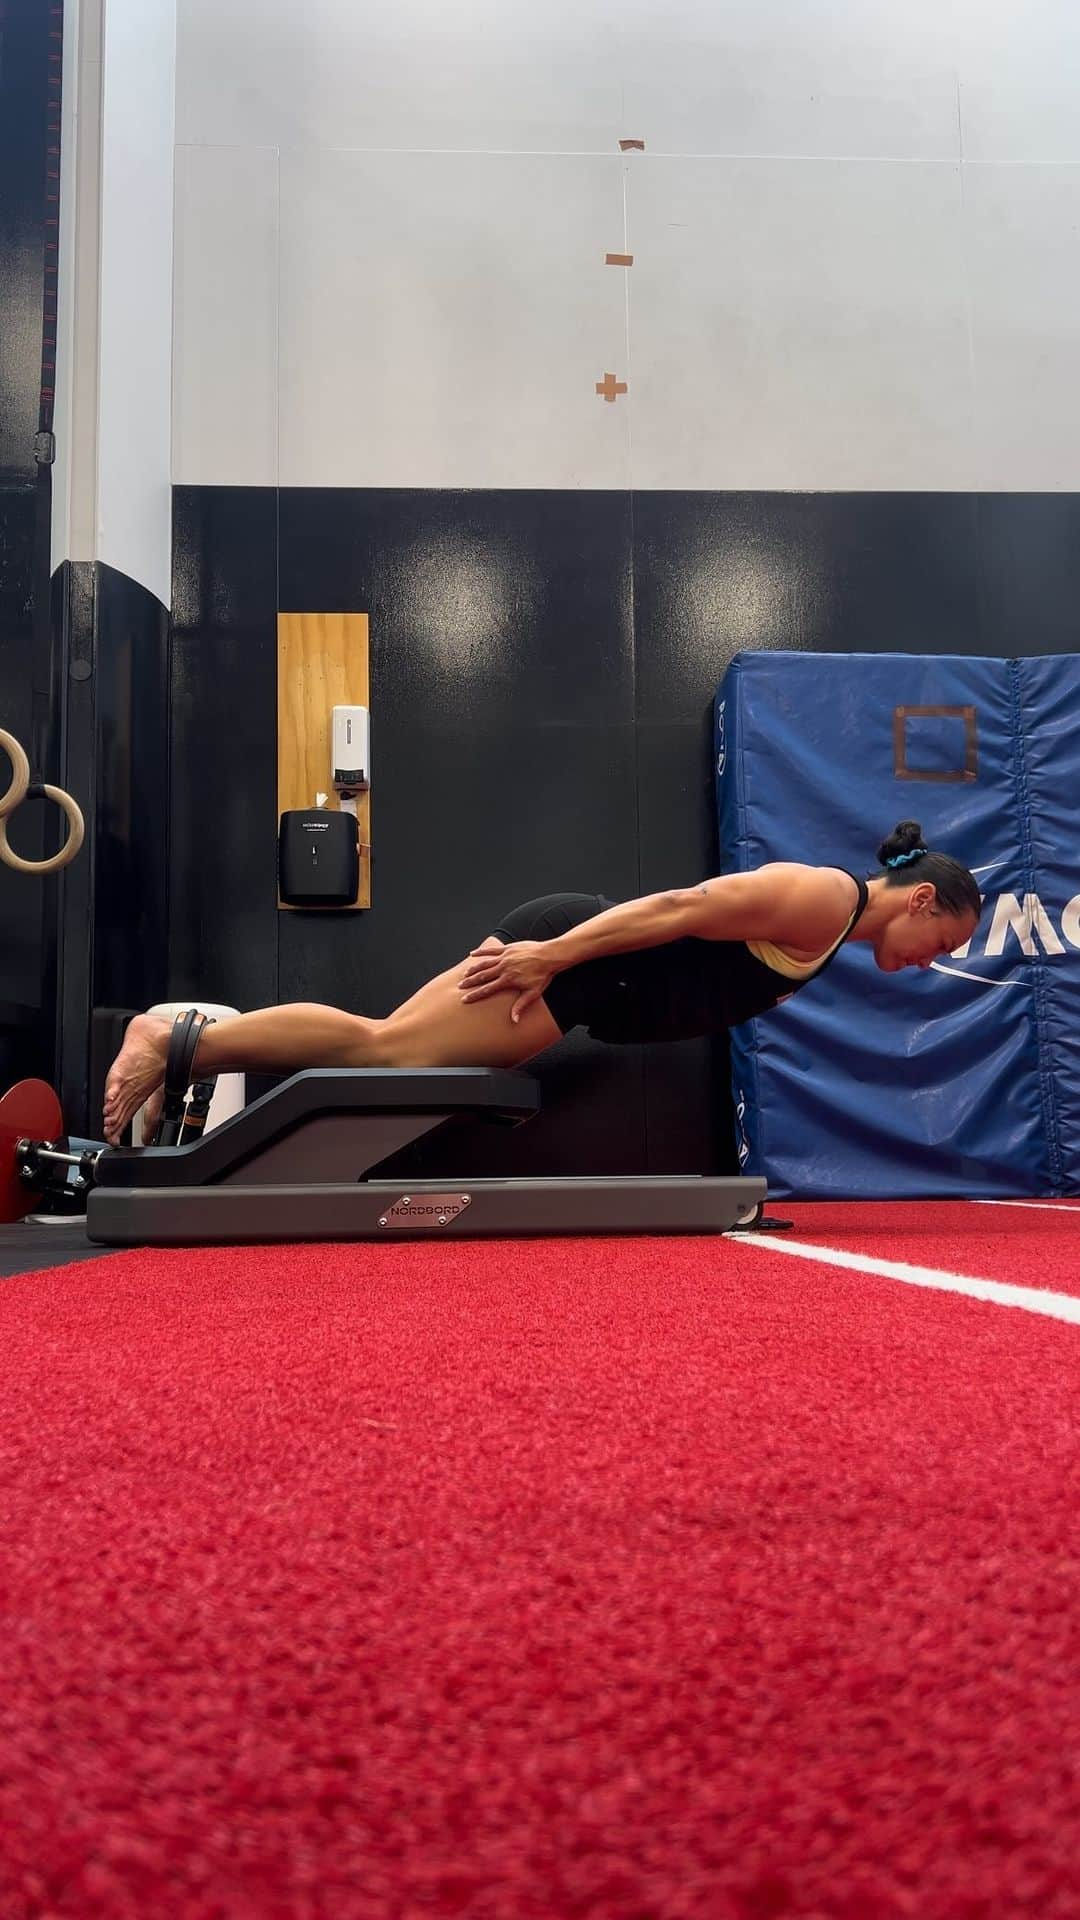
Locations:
(802, 906)
(782, 901)
(650, 921)
(529, 965)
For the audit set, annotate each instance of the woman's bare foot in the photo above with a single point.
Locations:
(151, 1116)
(139, 1067)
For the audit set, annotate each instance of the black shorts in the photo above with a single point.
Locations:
(577, 997)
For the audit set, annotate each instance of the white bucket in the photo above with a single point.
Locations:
(229, 1093)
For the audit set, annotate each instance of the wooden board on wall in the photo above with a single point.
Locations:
(322, 664)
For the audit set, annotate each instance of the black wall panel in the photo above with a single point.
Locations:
(26, 27)
(223, 775)
(132, 793)
(822, 572)
(112, 702)
(489, 607)
(20, 894)
(1029, 572)
(29, 107)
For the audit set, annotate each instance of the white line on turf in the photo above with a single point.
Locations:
(1041, 1206)
(1056, 1306)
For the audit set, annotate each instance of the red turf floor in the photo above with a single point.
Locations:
(636, 1580)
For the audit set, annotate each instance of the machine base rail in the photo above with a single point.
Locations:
(421, 1210)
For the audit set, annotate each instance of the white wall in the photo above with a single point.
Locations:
(74, 479)
(853, 229)
(135, 331)
(112, 499)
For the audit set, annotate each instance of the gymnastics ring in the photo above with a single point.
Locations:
(20, 773)
(20, 790)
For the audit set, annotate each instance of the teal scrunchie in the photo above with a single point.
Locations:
(902, 859)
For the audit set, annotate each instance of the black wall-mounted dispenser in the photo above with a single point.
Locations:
(318, 858)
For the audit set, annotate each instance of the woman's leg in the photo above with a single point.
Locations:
(432, 1029)
(273, 1038)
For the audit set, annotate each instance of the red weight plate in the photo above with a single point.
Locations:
(30, 1111)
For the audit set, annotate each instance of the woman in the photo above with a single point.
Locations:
(664, 967)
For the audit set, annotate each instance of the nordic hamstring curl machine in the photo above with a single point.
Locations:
(297, 1164)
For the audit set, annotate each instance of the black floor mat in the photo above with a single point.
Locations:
(27, 1245)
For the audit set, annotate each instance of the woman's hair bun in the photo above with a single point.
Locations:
(903, 839)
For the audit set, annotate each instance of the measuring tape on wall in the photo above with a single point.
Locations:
(20, 790)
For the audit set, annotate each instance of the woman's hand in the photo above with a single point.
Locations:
(521, 965)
